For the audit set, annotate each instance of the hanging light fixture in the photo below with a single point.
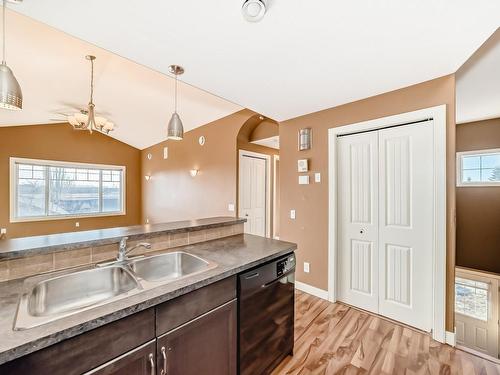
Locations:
(11, 96)
(86, 118)
(175, 130)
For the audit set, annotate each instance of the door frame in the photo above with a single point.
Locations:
(267, 158)
(276, 158)
(438, 114)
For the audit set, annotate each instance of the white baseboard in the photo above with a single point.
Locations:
(450, 338)
(317, 292)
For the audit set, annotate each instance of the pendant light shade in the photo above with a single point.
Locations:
(175, 129)
(11, 96)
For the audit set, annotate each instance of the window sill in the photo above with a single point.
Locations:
(66, 217)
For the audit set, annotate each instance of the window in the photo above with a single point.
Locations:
(471, 298)
(46, 190)
(478, 168)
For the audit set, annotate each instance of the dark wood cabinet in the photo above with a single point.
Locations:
(205, 345)
(140, 361)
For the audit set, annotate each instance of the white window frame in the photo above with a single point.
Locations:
(460, 156)
(54, 163)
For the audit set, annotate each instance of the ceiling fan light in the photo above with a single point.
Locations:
(81, 118)
(108, 126)
(11, 96)
(100, 121)
(72, 120)
(175, 130)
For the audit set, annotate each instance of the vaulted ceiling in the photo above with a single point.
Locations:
(303, 56)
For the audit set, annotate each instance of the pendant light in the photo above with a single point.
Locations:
(175, 130)
(11, 96)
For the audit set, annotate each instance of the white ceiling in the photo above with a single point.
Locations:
(478, 83)
(52, 71)
(304, 56)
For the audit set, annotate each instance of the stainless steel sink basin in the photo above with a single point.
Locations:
(50, 298)
(62, 295)
(168, 266)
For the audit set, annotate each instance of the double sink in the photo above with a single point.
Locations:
(64, 295)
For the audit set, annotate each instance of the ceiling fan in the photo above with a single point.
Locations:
(86, 118)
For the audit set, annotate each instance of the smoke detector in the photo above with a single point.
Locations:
(254, 10)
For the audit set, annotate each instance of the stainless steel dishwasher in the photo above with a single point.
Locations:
(266, 299)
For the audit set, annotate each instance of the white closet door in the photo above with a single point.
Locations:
(358, 220)
(253, 194)
(406, 224)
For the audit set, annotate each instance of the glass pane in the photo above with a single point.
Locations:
(490, 161)
(30, 191)
(72, 196)
(111, 196)
(471, 162)
(488, 175)
(471, 298)
(471, 175)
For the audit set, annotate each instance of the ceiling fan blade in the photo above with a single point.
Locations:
(75, 106)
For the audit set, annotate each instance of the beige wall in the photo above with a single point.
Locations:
(172, 194)
(478, 207)
(310, 229)
(60, 142)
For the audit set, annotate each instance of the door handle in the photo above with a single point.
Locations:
(164, 356)
(152, 363)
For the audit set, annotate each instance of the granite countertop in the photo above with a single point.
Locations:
(231, 254)
(19, 247)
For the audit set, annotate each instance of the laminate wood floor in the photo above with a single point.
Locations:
(332, 338)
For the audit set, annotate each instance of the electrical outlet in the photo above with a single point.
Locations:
(165, 152)
(317, 177)
(230, 207)
(292, 214)
(306, 267)
(147, 221)
(3, 231)
(77, 224)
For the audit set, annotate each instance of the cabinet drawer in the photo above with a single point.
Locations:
(140, 361)
(180, 310)
(88, 350)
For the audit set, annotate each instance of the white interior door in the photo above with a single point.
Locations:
(358, 220)
(476, 312)
(252, 194)
(406, 224)
(385, 222)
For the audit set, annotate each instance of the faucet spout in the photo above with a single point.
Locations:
(123, 250)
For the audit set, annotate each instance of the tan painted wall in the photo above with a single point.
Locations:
(61, 142)
(310, 229)
(172, 194)
(478, 208)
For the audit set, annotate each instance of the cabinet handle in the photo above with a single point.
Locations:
(164, 355)
(152, 363)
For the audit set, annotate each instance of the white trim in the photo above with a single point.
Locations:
(43, 162)
(275, 213)
(460, 182)
(478, 354)
(312, 290)
(450, 338)
(267, 158)
(438, 114)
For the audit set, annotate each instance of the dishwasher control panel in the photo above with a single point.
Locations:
(285, 265)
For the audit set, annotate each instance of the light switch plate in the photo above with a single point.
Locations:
(302, 165)
(3, 231)
(77, 224)
(303, 180)
(230, 207)
(306, 267)
(317, 177)
(292, 214)
(165, 152)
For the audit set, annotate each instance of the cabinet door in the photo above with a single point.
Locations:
(140, 361)
(205, 345)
